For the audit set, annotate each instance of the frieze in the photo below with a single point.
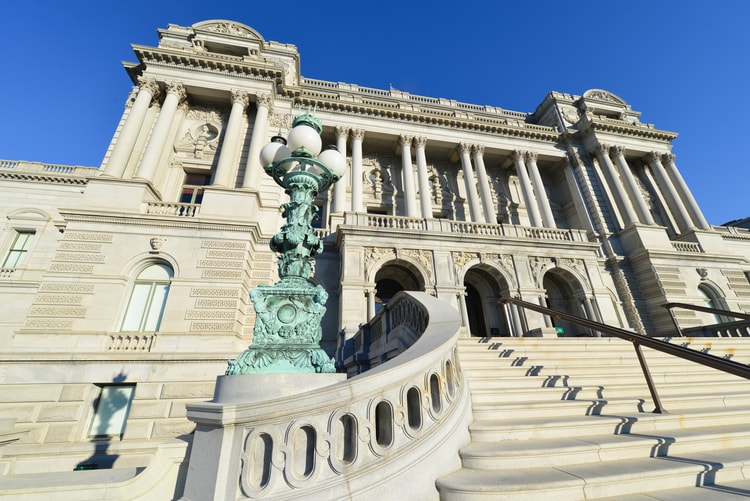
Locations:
(216, 303)
(218, 263)
(88, 237)
(221, 274)
(205, 115)
(67, 287)
(211, 326)
(58, 299)
(226, 254)
(72, 268)
(263, 266)
(48, 323)
(215, 292)
(57, 311)
(376, 254)
(423, 257)
(280, 121)
(460, 258)
(227, 28)
(223, 244)
(265, 256)
(80, 246)
(209, 315)
(77, 256)
(260, 274)
(538, 265)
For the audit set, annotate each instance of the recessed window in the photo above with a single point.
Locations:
(18, 249)
(192, 188)
(112, 408)
(148, 299)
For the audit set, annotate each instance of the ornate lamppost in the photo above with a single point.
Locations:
(287, 333)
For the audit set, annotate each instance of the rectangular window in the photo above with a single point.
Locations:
(112, 408)
(192, 188)
(19, 249)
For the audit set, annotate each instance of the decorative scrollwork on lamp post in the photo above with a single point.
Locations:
(287, 332)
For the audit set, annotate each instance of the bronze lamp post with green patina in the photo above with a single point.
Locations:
(287, 332)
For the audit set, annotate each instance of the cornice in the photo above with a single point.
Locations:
(428, 116)
(41, 178)
(610, 125)
(209, 62)
(149, 220)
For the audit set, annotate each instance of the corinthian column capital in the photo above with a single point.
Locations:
(241, 97)
(404, 140)
(341, 131)
(177, 89)
(618, 149)
(358, 134)
(653, 157)
(531, 156)
(477, 149)
(264, 100)
(602, 149)
(669, 157)
(149, 85)
(464, 148)
(420, 141)
(518, 155)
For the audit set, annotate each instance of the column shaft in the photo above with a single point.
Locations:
(425, 196)
(526, 190)
(470, 183)
(157, 141)
(670, 193)
(626, 208)
(339, 188)
(357, 137)
(227, 157)
(123, 148)
(634, 192)
(684, 192)
(263, 104)
(490, 216)
(548, 219)
(407, 173)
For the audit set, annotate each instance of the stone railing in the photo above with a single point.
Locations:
(172, 209)
(392, 429)
(687, 247)
(6, 272)
(131, 342)
(22, 166)
(726, 329)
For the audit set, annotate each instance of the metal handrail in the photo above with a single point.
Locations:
(638, 340)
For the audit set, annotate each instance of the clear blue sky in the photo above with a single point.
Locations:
(684, 64)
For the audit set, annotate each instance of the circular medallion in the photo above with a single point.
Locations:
(286, 313)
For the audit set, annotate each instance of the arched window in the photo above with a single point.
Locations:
(147, 301)
(712, 299)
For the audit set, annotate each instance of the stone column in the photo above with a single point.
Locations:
(636, 197)
(263, 103)
(370, 303)
(118, 160)
(461, 297)
(490, 216)
(357, 137)
(407, 175)
(339, 188)
(526, 189)
(621, 199)
(223, 176)
(156, 143)
(548, 220)
(471, 190)
(425, 196)
(670, 193)
(684, 192)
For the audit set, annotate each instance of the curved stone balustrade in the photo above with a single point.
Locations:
(172, 209)
(687, 247)
(393, 429)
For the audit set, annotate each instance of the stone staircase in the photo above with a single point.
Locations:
(571, 419)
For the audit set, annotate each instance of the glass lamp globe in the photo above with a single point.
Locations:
(304, 136)
(268, 152)
(333, 160)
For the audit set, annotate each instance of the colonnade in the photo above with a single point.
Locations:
(628, 199)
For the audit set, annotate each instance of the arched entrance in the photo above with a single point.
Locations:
(394, 277)
(565, 294)
(484, 286)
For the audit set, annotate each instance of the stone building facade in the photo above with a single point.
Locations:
(133, 277)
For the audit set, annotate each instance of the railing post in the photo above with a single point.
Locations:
(658, 409)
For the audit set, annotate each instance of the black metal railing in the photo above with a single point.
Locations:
(705, 309)
(638, 340)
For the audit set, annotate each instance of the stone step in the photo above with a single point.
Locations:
(595, 448)
(539, 378)
(725, 491)
(593, 480)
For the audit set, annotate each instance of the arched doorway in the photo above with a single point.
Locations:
(565, 294)
(394, 277)
(484, 286)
